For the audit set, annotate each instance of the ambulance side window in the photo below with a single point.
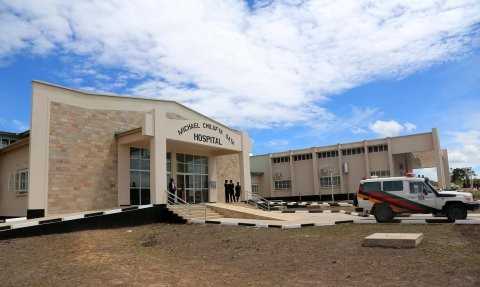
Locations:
(396, 185)
(371, 186)
(416, 187)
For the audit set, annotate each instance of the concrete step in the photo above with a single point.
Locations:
(194, 212)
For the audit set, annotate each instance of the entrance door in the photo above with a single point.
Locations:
(192, 178)
(139, 176)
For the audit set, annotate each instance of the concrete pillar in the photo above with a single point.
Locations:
(316, 180)
(365, 157)
(37, 205)
(269, 177)
(123, 174)
(390, 157)
(437, 157)
(158, 160)
(213, 185)
(245, 177)
(292, 175)
(340, 168)
(446, 167)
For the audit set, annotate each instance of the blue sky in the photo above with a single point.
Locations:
(292, 73)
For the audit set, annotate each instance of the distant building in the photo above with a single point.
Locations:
(7, 138)
(318, 172)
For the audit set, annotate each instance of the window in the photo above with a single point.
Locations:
(255, 188)
(281, 159)
(18, 182)
(393, 185)
(302, 157)
(282, 184)
(139, 176)
(378, 148)
(327, 154)
(328, 181)
(371, 186)
(353, 151)
(416, 187)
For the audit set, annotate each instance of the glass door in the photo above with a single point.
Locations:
(139, 176)
(192, 177)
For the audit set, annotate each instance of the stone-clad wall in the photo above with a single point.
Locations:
(82, 166)
(228, 167)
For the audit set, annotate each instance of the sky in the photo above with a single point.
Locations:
(293, 74)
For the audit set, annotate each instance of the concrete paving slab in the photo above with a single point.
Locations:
(16, 219)
(393, 240)
(467, 222)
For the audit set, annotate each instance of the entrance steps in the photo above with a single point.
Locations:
(194, 212)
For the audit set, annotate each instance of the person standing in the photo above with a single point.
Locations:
(227, 191)
(172, 189)
(231, 191)
(238, 190)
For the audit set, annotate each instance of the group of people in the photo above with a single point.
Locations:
(232, 191)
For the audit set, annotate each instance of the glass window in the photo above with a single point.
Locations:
(134, 152)
(21, 181)
(189, 159)
(396, 185)
(371, 186)
(416, 187)
(180, 157)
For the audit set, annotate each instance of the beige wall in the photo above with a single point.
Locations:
(356, 171)
(228, 168)
(303, 177)
(12, 203)
(83, 156)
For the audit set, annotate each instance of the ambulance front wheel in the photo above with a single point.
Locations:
(456, 211)
(383, 212)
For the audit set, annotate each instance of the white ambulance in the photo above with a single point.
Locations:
(387, 197)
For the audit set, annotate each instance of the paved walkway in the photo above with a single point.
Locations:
(324, 218)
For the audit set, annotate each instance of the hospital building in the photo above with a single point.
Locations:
(318, 172)
(92, 151)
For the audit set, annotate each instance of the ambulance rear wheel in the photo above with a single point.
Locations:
(383, 212)
(456, 212)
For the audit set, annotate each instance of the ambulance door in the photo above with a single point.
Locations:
(420, 193)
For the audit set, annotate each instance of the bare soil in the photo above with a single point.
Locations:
(212, 255)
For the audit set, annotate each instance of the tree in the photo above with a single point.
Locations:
(463, 176)
(458, 176)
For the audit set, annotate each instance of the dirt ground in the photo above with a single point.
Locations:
(212, 255)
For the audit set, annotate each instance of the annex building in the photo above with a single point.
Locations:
(319, 172)
(91, 151)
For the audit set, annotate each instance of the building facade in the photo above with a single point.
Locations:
(319, 172)
(89, 151)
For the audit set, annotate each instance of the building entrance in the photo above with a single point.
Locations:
(192, 178)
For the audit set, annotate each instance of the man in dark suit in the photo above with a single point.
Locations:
(227, 191)
(238, 190)
(231, 191)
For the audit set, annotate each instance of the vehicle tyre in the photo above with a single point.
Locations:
(456, 211)
(383, 212)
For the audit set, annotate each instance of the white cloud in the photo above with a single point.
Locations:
(464, 149)
(409, 127)
(391, 128)
(277, 143)
(13, 125)
(273, 65)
